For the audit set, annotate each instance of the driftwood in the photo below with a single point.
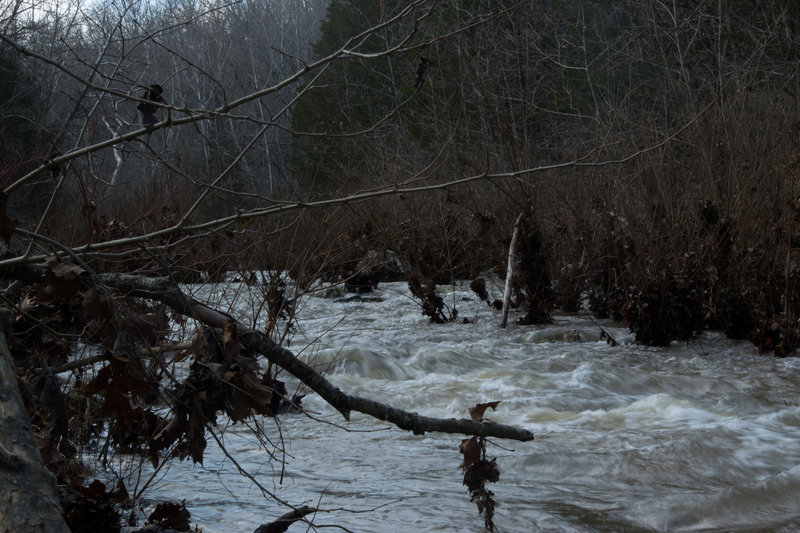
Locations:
(163, 290)
(28, 496)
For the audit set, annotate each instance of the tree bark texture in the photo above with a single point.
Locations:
(28, 495)
(512, 257)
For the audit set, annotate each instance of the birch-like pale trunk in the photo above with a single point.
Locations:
(512, 258)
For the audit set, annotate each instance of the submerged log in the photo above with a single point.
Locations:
(28, 496)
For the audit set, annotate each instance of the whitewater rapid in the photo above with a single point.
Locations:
(700, 436)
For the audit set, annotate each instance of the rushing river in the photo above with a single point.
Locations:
(693, 437)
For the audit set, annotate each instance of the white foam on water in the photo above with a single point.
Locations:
(692, 437)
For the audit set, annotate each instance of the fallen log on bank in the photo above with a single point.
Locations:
(164, 291)
(28, 489)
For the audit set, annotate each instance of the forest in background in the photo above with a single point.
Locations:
(698, 229)
(651, 147)
(697, 233)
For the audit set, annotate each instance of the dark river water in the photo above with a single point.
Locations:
(702, 436)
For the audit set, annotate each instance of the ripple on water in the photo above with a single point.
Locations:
(767, 503)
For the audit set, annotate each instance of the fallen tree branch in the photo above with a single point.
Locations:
(163, 290)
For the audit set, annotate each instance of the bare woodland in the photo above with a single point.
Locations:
(651, 147)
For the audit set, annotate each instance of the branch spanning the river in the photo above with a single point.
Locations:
(163, 290)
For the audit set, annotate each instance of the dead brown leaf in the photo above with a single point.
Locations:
(248, 394)
(199, 343)
(168, 515)
(477, 412)
(218, 370)
(171, 432)
(95, 304)
(230, 341)
(478, 474)
(63, 282)
(195, 433)
(471, 449)
(64, 270)
(150, 327)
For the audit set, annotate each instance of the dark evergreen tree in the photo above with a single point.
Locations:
(19, 118)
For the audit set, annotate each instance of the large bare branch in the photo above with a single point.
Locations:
(163, 290)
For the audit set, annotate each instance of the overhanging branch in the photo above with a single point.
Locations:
(163, 290)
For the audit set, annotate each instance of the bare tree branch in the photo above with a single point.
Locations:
(162, 289)
(224, 222)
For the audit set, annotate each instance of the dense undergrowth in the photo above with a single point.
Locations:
(698, 235)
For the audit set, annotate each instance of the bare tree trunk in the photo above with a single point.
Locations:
(28, 497)
(512, 257)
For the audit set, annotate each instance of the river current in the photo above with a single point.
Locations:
(700, 436)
